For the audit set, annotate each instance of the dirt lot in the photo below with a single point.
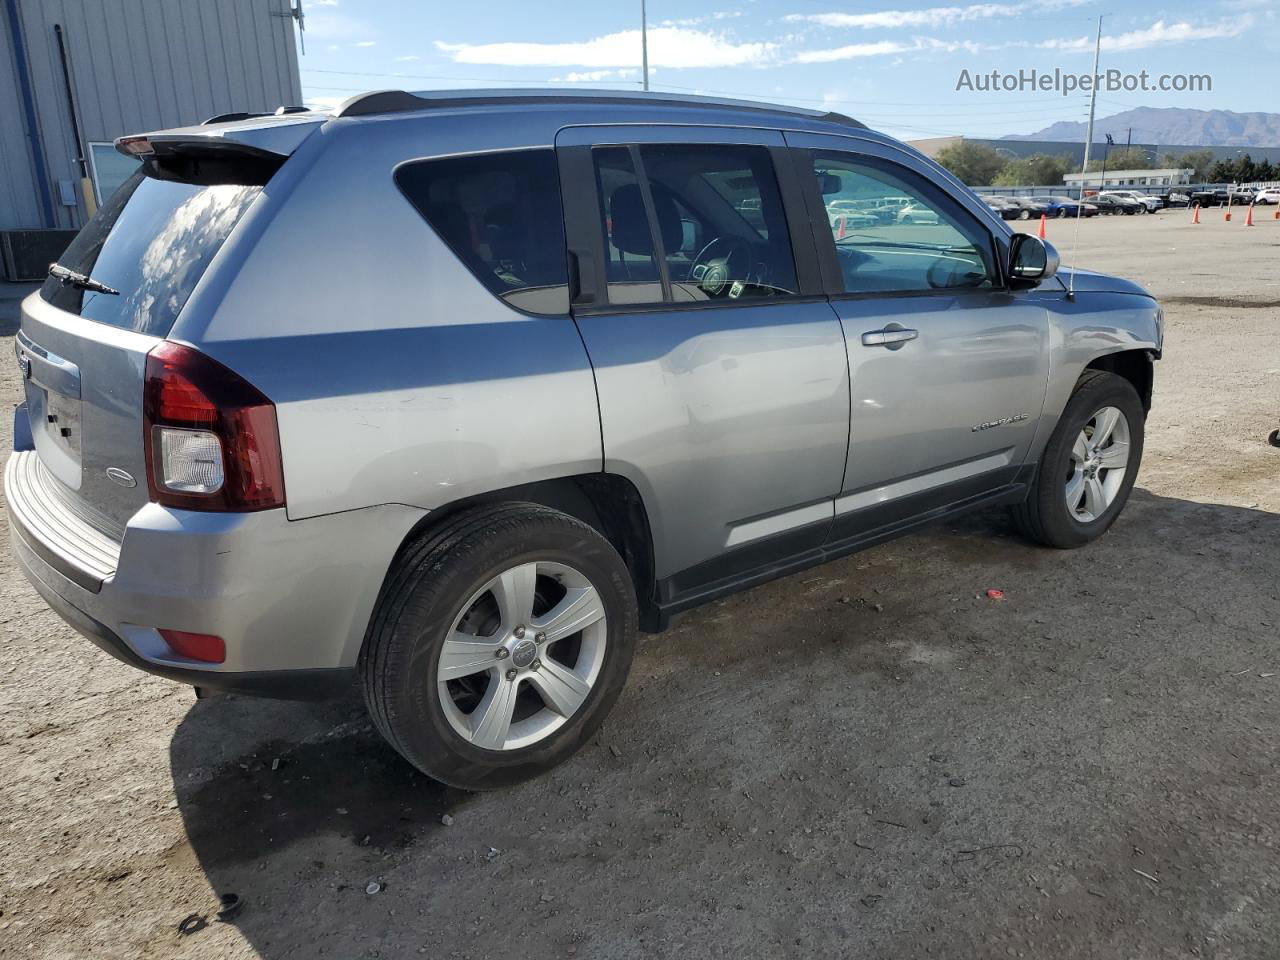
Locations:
(864, 760)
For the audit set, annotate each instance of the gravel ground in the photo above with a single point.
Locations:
(868, 759)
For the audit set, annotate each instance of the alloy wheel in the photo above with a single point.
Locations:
(522, 655)
(1097, 465)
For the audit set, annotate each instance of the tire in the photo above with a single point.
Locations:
(1045, 516)
(1062, 212)
(1024, 215)
(436, 590)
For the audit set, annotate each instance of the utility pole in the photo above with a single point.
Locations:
(1093, 102)
(644, 47)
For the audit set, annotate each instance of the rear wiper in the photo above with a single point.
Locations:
(80, 280)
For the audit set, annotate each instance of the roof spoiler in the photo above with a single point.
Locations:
(243, 149)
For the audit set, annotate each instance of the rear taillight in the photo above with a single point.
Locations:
(211, 437)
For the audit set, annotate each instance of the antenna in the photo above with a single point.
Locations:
(644, 46)
(1084, 169)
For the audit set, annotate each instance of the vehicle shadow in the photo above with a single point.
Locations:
(699, 814)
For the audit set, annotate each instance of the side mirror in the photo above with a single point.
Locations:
(1031, 261)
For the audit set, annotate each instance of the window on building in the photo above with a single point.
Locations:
(110, 169)
(500, 214)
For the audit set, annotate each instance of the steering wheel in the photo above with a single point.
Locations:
(719, 264)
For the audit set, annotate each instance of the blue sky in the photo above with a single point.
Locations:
(894, 65)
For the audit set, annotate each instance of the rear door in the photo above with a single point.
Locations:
(948, 366)
(720, 366)
(83, 351)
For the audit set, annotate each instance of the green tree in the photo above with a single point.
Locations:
(1036, 170)
(1121, 158)
(974, 163)
(1201, 161)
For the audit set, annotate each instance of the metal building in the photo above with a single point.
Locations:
(76, 74)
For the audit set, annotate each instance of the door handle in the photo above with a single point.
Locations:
(888, 337)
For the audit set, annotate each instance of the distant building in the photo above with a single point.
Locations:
(1131, 178)
(76, 74)
(1057, 148)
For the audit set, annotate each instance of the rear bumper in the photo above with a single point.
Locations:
(290, 599)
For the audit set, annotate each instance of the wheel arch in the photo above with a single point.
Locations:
(1136, 366)
(609, 503)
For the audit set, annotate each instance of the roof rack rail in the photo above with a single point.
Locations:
(399, 101)
(229, 117)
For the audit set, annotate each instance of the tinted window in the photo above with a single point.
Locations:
(712, 221)
(152, 241)
(500, 214)
(896, 232)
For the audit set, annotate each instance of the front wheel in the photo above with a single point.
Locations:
(499, 644)
(1088, 467)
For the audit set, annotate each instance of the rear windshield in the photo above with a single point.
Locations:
(152, 241)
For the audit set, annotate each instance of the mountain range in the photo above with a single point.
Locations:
(1171, 125)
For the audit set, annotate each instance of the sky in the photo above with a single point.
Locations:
(909, 69)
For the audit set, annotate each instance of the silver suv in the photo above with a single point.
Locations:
(450, 394)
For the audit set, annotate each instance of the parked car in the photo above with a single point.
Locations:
(917, 213)
(1028, 207)
(536, 383)
(1110, 204)
(1003, 206)
(1267, 195)
(1064, 207)
(1149, 203)
(1217, 197)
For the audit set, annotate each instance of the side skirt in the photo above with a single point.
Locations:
(874, 526)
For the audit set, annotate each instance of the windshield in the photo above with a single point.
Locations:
(152, 242)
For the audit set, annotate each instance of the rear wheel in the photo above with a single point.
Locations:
(499, 644)
(1024, 215)
(1088, 467)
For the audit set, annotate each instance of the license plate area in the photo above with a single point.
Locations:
(52, 387)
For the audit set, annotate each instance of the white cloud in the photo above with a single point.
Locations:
(409, 58)
(668, 47)
(931, 16)
(595, 76)
(885, 48)
(1158, 34)
(367, 43)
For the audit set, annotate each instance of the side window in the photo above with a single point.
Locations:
(500, 215)
(716, 230)
(895, 232)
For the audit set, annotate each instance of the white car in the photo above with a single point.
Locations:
(917, 213)
(1268, 195)
(1151, 203)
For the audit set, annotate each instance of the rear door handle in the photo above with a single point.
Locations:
(889, 337)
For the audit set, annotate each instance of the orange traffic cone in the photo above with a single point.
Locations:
(1227, 216)
(1248, 220)
(1195, 216)
(1042, 223)
(1276, 216)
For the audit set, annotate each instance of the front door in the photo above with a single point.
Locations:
(948, 366)
(720, 366)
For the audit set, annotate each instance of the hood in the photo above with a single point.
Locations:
(1090, 281)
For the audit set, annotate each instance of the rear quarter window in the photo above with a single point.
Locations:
(500, 215)
(152, 241)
